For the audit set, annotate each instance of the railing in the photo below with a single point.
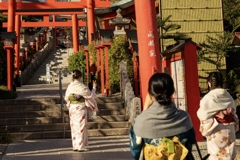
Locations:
(131, 103)
(41, 55)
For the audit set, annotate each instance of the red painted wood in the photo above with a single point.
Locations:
(148, 45)
(17, 45)
(98, 66)
(107, 71)
(75, 33)
(189, 55)
(136, 76)
(36, 41)
(192, 85)
(87, 65)
(26, 57)
(52, 4)
(90, 19)
(102, 70)
(47, 24)
(48, 13)
(10, 28)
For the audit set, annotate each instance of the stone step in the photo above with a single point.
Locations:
(60, 126)
(55, 113)
(60, 134)
(38, 107)
(29, 114)
(15, 102)
(48, 120)
(24, 108)
(42, 118)
(100, 99)
(111, 99)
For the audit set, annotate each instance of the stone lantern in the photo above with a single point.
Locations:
(9, 39)
(120, 23)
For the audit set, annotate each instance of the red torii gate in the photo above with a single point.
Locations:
(149, 54)
(51, 7)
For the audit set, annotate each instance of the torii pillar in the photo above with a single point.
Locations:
(75, 33)
(90, 20)
(10, 28)
(90, 29)
(17, 48)
(149, 50)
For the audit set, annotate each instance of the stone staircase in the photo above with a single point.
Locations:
(57, 59)
(42, 119)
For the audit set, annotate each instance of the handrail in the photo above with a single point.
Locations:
(62, 101)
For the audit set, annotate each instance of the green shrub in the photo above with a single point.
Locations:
(77, 61)
(92, 52)
(6, 94)
(119, 51)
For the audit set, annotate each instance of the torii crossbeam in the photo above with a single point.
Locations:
(14, 9)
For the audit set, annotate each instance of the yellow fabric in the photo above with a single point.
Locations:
(73, 100)
(166, 150)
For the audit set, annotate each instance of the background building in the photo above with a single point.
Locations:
(197, 18)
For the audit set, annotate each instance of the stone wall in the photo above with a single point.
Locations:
(131, 103)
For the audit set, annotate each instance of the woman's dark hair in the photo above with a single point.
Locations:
(215, 79)
(76, 74)
(161, 87)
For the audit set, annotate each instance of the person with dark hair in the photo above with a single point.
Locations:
(82, 105)
(218, 119)
(160, 119)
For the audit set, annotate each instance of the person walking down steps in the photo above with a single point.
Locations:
(82, 105)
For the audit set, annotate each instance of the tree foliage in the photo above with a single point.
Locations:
(119, 51)
(216, 49)
(168, 28)
(92, 52)
(77, 61)
(2, 19)
(231, 10)
(233, 82)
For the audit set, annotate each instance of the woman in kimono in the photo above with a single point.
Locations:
(81, 104)
(218, 119)
(160, 119)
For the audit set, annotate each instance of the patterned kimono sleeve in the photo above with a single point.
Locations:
(208, 126)
(66, 98)
(90, 100)
(135, 147)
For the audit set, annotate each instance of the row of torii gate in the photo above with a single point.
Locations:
(145, 13)
(148, 50)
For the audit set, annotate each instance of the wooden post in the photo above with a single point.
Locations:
(102, 70)
(149, 55)
(90, 19)
(107, 71)
(75, 33)
(11, 24)
(17, 45)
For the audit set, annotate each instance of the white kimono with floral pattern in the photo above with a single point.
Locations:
(220, 136)
(78, 113)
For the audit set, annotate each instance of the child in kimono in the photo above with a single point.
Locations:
(218, 119)
(80, 100)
